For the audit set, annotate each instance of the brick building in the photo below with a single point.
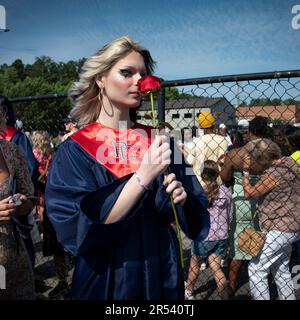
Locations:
(285, 113)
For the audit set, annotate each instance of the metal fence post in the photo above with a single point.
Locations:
(161, 105)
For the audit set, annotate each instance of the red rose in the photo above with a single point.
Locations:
(149, 84)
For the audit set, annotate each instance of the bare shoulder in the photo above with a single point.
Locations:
(236, 157)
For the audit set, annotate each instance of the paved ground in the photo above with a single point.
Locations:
(205, 288)
(46, 277)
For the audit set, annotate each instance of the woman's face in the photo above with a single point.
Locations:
(120, 84)
(187, 135)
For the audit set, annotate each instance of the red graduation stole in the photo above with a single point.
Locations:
(8, 133)
(121, 152)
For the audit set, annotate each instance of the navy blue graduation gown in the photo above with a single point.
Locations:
(134, 258)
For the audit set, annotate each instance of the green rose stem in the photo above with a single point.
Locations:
(154, 123)
(153, 114)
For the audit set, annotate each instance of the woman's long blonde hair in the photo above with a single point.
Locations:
(84, 92)
(41, 140)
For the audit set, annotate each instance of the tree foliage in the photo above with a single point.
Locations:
(273, 102)
(44, 76)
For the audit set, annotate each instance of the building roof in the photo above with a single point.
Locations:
(283, 112)
(188, 103)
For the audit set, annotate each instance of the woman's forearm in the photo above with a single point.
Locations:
(264, 185)
(129, 196)
(248, 189)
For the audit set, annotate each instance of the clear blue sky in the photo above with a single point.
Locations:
(187, 38)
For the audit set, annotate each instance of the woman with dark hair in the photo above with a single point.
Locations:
(258, 127)
(237, 139)
(13, 255)
(231, 174)
(292, 136)
(106, 194)
(10, 133)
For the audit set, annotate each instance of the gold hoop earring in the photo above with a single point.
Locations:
(101, 90)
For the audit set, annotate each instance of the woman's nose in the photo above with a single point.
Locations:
(138, 77)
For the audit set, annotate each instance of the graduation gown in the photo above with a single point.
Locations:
(136, 257)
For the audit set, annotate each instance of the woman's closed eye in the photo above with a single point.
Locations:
(129, 73)
(126, 73)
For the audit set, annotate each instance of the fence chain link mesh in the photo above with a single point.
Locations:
(232, 102)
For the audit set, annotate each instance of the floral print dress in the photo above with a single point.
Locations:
(19, 281)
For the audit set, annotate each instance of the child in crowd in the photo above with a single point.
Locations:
(214, 247)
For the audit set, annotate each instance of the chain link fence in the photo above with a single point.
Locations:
(217, 269)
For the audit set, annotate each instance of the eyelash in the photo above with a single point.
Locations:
(128, 73)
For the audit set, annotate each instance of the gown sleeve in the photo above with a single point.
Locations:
(78, 199)
(193, 216)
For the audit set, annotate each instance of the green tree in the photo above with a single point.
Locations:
(291, 101)
(260, 102)
(20, 68)
(172, 93)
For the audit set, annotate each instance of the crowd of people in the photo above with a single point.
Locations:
(104, 192)
(261, 173)
(25, 165)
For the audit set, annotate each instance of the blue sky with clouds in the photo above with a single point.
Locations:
(187, 38)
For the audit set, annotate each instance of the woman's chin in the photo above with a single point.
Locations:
(134, 104)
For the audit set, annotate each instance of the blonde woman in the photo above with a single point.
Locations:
(42, 150)
(106, 195)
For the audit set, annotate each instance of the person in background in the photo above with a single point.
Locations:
(51, 247)
(231, 174)
(214, 247)
(279, 138)
(70, 127)
(14, 181)
(243, 125)
(187, 138)
(43, 153)
(224, 132)
(186, 143)
(259, 127)
(108, 191)
(10, 133)
(58, 140)
(292, 138)
(236, 138)
(210, 146)
(279, 217)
